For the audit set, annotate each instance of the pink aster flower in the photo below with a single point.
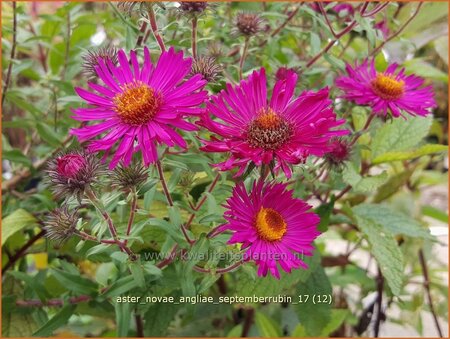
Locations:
(272, 226)
(386, 91)
(282, 131)
(70, 165)
(139, 107)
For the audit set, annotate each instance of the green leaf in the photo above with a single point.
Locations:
(400, 135)
(74, 282)
(363, 184)
(338, 316)
(158, 318)
(314, 42)
(393, 185)
(324, 211)
(121, 286)
(235, 332)
(429, 13)
(424, 69)
(391, 220)
(267, 328)
(16, 156)
(138, 274)
(407, 155)
(299, 332)
(14, 324)
(48, 134)
(270, 286)
(435, 213)
(123, 317)
(59, 319)
(16, 221)
(385, 249)
(314, 315)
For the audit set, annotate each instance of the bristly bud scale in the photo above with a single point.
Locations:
(248, 24)
(129, 178)
(61, 224)
(207, 67)
(91, 60)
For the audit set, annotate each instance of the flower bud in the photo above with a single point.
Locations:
(129, 178)
(91, 60)
(340, 151)
(248, 24)
(207, 67)
(193, 7)
(283, 72)
(71, 172)
(61, 224)
(70, 164)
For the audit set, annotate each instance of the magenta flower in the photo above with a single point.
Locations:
(69, 165)
(388, 90)
(284, 131)
(140, 107)
(272, 226)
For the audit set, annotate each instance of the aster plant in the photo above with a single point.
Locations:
(197, 169)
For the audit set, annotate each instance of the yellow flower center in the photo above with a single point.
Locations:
(269, 131)
(387, 88)
(137, 104)
(270, 224)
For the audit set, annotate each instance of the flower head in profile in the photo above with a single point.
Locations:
(273, 227)
(388, 91)
(71, 172)
(61, 224)
(139, 107)
(279, 132)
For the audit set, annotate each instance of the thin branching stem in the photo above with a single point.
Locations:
(194, 37)
(163, 183)
(426, 284)
(154, 27)
(13, 52)
(243, 56)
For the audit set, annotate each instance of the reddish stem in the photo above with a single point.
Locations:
(194, 37)
(155, 31)
(163, 183)
(219, 270)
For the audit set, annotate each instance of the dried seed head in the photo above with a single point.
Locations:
(248, 24)
(129, 178)
(71, 172)
(193, 7)
(340, 152)
(207, 67)
(91, 60)
(61, 224)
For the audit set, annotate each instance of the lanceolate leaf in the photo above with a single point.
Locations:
(58, 320)
(407, 155)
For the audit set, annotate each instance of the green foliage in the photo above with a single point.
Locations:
(378, 203)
